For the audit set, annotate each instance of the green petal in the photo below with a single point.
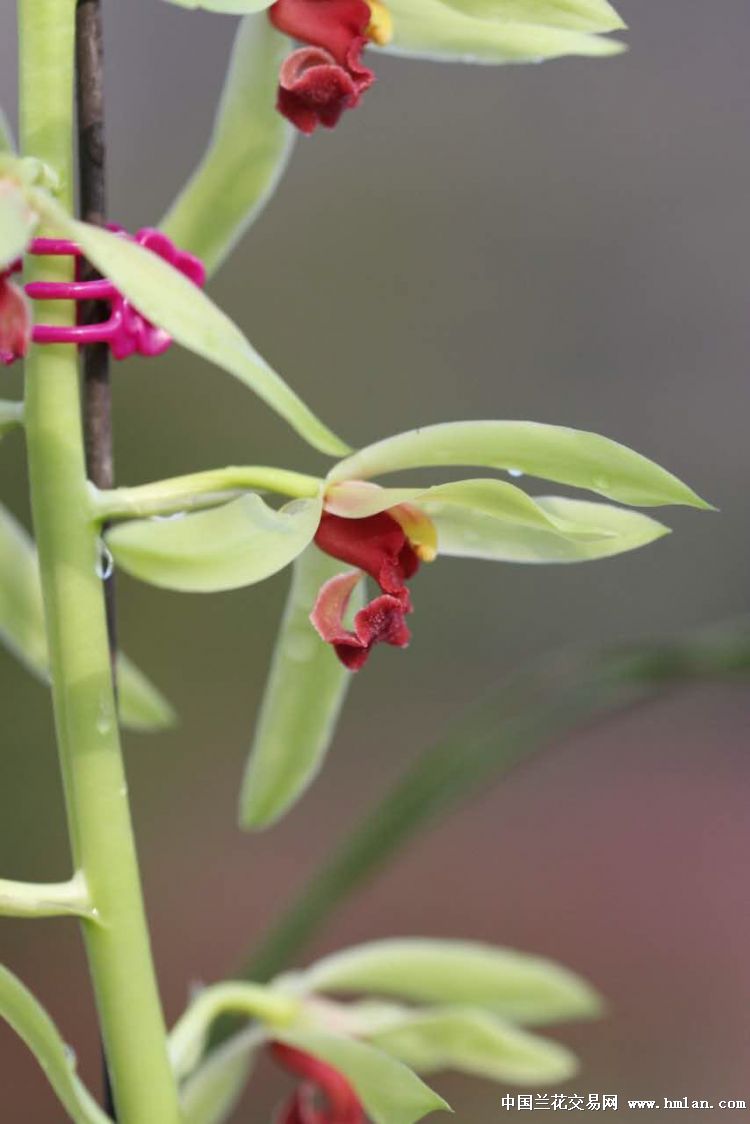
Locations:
(389, 1091)
(241, 543)
(32, 1023)
(17, 222)
(519, 987)
(475, 1042)
(573, 15)
(304, 694)
(553, 452)
(22, 630)
(247, 154)
(432, 30)
(169, 300)
(585, 531)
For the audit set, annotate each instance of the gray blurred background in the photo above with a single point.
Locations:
(567, 243)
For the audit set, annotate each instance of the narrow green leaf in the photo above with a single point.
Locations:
(575, 15)
(32, 1023)
(211, 1093)
(247, 154)
(472, 1041)
(7, 143)
(228, 7)
(303, 697)
(553, 452)
(584, 531)
(22, 630)
(228, 547)
(430, 29)
(389, 1091)
(174, 303)
(142, 707)
(17, 221)
(519, 987)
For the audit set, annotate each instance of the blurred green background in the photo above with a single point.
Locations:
(567, 243)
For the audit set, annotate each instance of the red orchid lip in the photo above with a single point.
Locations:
(376, 545)
(325, 76)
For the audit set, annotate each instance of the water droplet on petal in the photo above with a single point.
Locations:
(105, 563)
(70, 1056)
(515, 472)
(601, 484)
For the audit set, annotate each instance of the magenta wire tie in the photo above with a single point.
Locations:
(126, 331)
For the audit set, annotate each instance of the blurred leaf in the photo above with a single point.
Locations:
(11, 416)
(229, 7)
(303, 696)
(172, 302)
(141, 706)
(553, 452)
(228, 547)
(515, 985)
(247, 154)
(520, 717)
(32, 1023)
(592, 530)
(389, 1091)
(22, 630)
(472, 1041)
(430, 29)
(575, 15)
(17, 222)
(7, 143)
(211, 1093)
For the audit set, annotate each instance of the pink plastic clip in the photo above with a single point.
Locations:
(126, 331)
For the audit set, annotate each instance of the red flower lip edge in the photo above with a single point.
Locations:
(321, 79)
(321, 1082)
(378, 546)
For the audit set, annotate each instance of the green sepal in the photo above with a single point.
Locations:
(584, 531)
(303, 696)
(31, 1022)
(11, 416)
(389, 1091)
(211, 1093)
(247, 154)
(552, 452)
(228, 547)
(431, 29)
(516, 986)
(22, 630)
(470, 1040)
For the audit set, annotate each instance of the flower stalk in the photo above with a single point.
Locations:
(84, 702)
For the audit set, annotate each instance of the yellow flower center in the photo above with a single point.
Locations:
(380, 27)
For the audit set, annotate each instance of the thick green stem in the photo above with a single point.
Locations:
(86, 720)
